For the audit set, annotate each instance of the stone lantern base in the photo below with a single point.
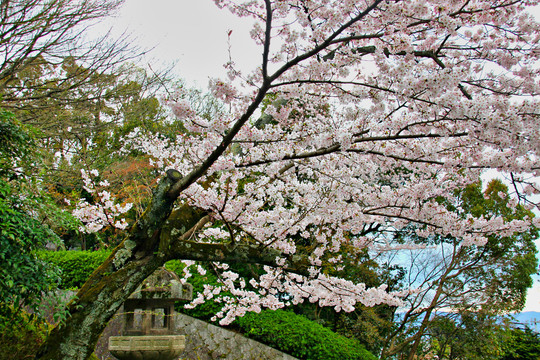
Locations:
(148, 347)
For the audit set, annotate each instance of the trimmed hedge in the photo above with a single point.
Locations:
(76, 266)
(300, 337)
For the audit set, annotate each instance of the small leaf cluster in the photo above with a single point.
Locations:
(21, 339)
(209, 308)
(300, 337)
(14, 143)
(523, 344)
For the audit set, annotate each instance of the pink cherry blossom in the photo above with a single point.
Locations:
(372, 112)
(104, 211)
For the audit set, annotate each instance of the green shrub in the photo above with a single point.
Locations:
(23, 277)
(300, 337)
(21, 335)
(76, 266)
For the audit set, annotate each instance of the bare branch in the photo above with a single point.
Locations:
(268, 37)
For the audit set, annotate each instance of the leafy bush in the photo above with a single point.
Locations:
(15, 144)
(28, 220)
(23, 277)
(300, 337)
(76, 266)
(521, 344)
(21, 335)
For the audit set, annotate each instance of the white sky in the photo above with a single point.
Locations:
(192, 34)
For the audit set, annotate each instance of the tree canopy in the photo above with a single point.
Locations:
(359, 118)
(381, 109)
(38, 32)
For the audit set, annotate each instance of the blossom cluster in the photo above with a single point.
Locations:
(104, 211)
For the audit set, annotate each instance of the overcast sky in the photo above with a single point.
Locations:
(192, 34)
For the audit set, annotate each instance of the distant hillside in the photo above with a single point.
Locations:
(529, 318)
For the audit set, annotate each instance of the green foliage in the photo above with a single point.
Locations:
(209, 308)
(479, 336)
(14, 143)
(466, 335)
(499, 272)
(75, 266)
(522, 345)
(23, 277)
(300, 337)
(21, 336)
(28, 218)
(81, 127)
(510, 261)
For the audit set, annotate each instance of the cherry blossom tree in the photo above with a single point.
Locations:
(359, 118)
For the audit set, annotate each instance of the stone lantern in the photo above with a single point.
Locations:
(148, 320)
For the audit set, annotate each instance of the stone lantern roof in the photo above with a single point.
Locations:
(163, 284)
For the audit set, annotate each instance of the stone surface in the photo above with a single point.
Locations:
(205, 341)
(163, 284)
(161, 347)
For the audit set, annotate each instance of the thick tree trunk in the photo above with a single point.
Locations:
(138, 256)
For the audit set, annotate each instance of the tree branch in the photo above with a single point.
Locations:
(337, 148)
(200, 170)
(268, 36)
